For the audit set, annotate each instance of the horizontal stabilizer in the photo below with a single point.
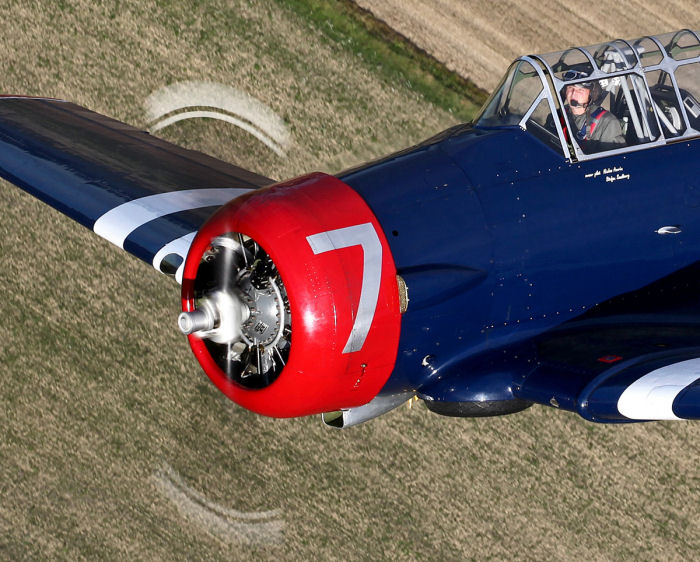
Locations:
(143, 194)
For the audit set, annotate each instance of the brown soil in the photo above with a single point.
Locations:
(479, 39)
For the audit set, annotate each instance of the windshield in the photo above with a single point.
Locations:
(513, 98)
(603, 99)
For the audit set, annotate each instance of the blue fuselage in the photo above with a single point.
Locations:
(500, 239)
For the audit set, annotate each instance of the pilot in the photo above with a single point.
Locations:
(595, 128)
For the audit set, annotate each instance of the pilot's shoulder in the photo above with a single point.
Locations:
(608, 118)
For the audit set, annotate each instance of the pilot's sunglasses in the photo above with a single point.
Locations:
(574, 75)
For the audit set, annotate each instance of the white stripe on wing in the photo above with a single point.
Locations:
(116, 224)
(179, 246)
(651, 397)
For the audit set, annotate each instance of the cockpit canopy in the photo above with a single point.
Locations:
(604, 99)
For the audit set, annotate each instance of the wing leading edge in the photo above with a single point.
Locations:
(141, 193)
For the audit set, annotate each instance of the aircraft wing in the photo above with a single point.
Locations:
(631, 368)
(183, 212)
(143, 194)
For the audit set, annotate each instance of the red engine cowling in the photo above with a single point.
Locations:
(290, 299)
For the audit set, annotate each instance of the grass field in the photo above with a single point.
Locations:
(113, 443)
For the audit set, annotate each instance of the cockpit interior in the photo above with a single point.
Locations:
(604, 99)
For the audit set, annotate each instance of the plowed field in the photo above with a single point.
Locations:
(479, 39)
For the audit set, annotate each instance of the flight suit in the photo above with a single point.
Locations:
(597, 130)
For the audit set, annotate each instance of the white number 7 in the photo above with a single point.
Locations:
(359, 235)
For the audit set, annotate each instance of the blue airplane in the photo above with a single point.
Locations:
(545, 253)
